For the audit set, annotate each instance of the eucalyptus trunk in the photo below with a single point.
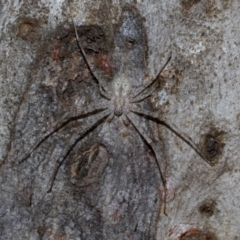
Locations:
(120, 119)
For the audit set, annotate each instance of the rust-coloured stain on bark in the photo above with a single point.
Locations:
(188, 4)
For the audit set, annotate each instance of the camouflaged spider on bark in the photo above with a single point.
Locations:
(123, 96)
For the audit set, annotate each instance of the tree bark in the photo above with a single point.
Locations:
(79, 165)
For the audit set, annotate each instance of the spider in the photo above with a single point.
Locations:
(121, 100)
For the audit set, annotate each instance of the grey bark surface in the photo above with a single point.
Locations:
(107, 183)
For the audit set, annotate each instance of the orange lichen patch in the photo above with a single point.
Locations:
(105, 63)
(191, 230)
(55, 54)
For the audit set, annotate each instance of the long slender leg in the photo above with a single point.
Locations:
(144, 95)
(104, 93)
(110, 117)
(152, 80)
(88, 111)
(155, 145)
(165, 122)
(99, 118)
(101, 84)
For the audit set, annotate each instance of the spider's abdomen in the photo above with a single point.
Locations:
(118, 112)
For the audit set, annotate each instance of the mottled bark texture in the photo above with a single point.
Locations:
(76, 163)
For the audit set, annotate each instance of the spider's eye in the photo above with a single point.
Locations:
(130, 42)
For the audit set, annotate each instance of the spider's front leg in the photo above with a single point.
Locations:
(145, 94)
(148, 89)
(102, 87)
(92, 125)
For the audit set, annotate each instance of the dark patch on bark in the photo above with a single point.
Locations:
(27, 29)
(208, 208)
(213, 145)
(203, 8)
(188, 4)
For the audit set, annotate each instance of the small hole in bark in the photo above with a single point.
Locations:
(212, 146)
(208, 208)
(41, 231)
(130, 42)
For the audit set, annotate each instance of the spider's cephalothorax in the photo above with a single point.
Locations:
(119, 101)
(121, 91)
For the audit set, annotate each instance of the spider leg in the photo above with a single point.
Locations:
(100, 82)
(152, 81)
(165, 122)
(144, 95)
(88, 111)
(110, 117)
(98, 120)
(104, 93)
(161, 163)
(125, 120)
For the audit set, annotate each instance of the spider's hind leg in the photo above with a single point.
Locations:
(156, 148)
(125, 120)
(167, 123)
(60, 124)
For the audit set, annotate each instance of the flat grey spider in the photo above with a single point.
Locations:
(122, 102)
